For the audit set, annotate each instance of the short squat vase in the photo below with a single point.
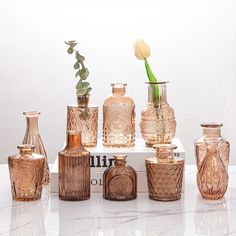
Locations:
(74, 169)
(212, 158)
(120, 181)
(26, 173)
(164, 174)
(158, 124)
(83, 118)
(118, 118)
(32, 136)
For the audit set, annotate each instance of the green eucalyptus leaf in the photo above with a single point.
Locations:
(83, 73)
(88, 90)
(67, 43)
(81, 91)
(77, 73)
(79, 84)
(70, 50)
(79, 57)
(86, 84)
(71, 41)
(76, 65)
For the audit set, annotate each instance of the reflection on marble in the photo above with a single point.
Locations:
(211, 217)
(191, 215)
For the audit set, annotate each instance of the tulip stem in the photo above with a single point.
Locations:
(152, 79)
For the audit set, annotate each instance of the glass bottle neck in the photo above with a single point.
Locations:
(165, 157)
(32, 124)
(26, 150)
(83, 100)
(157, 93)
(73, 140)
(118, 89)
(212, 132)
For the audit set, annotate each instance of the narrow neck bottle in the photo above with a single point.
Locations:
(212, 130)
(118, 89)
(73, 140)
(120, 160)
(32, 121)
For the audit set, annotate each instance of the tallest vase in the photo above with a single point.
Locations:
(158, 123)
(32, 136)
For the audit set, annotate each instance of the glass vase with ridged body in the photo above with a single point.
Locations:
(158, 124)
(74, 169)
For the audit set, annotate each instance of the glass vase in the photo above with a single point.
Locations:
(158, 124)
(74, 169)
(212, 158)
(26, 173)
(32, 136)
(83, 118)
(118, 118)
(120, 181)
(164, 174)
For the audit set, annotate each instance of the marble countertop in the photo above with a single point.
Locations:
(98, 217)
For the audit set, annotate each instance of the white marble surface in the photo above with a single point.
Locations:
(98, 217)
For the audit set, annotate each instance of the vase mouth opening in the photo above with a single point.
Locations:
(31, 113)
(165, 147)
(211, 124)
(73, 132)
(26, 147)
(118, 85)
(158, 82)
(120, 157)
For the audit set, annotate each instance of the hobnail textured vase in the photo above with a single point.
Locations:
(118, 118)
(164, 174)
(212, 158)
(83, 118)
(158, 124)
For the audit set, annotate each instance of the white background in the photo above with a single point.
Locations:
(192, 44)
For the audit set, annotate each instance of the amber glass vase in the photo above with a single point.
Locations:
(26, 173)
(74, 169)
(164, 174)
(120, 181)
(158, 123)
(118, 118)
(83, 118)
(32, 136)
(212, 157)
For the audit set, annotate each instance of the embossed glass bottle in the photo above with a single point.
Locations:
(74, 169)
(158, 123)
(164, 174)
(83, 117)
(212, 157)
(118, 118)
(120, 181)
(32, 136)
(26, 173)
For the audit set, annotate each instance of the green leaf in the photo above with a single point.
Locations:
(83, 73)
(70, 50)
(86, 84)
(77, 74)
(76, 65)
(71, 41)
(81, 91)
(88, 90)
(79, 84)
(79, 57)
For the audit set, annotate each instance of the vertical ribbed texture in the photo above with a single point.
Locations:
(165, 180)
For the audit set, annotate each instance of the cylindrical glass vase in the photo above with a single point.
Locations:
(83, 118)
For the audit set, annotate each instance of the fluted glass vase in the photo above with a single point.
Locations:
(32, 136)
(83, 118)
(212, 158)
(158, 124)
(118, 118)
(74, 169)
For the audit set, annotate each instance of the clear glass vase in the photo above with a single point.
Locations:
(118, 118)
(158, 124)
(120, 181)
(164, 174)
(32, 136)
(74, 169)
(26, 173)
(212, 158)
(83, 118)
